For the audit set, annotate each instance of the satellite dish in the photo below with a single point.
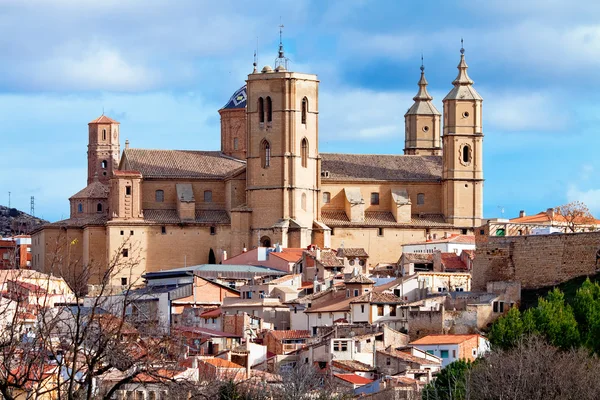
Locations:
(352, 333)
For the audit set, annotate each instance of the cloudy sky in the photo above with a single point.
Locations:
(164, 68)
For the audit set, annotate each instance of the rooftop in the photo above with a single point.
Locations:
(353, 378)
(377, 298)
(221, 363)
(443, 339)
(338, 218)
(352, 365)
(369, 167)
(187, 164)
(237, 99)
(290, 334)
(103, 119)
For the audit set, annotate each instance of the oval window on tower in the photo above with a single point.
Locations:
(465, 154)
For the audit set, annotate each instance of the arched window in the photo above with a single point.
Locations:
(99, 207)
(420, 199)
(208, 196)
(304, 152)
(304, 109)
(79, 208)
(326, 197)
(103, 134)
(265, 241)
(269, 110)
(261, 110)
(159, 195)
(104, 164)
(265, 154)
(466, 154)
(235, 143)
(303, 201)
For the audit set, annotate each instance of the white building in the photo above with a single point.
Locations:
(453, 347)
(451, 244)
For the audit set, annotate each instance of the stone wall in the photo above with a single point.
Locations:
(536, 260)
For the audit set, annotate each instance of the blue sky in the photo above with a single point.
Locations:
(164, 68)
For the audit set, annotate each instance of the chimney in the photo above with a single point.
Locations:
(318, 254)
(522, 214)
(127, 143)
(550, 213)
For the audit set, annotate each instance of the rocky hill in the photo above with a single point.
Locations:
(15, 222)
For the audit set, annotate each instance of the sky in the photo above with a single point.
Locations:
(164, 68)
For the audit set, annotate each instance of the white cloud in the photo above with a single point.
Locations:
(514, 111)
(590, 197)
(362, 114)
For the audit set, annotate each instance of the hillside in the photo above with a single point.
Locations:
(529, 297)
(15, 222)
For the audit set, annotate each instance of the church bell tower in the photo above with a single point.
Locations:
(103, 149)
(462, 173)
(283, 163)
(422, 123)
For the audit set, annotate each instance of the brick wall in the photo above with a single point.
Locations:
(534, 261)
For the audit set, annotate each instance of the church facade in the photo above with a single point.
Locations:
(270, 184)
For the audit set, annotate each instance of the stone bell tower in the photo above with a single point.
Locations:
(103, 149)
(462, 174)
(422, 123)
(283, 163)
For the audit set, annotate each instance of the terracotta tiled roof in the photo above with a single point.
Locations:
(352, 252)
(211, 313)
(377, 298)
(338, 218)
(172, 217)
(122, 172)
(103, 119)
(290, 334)
(284, 279)
(181, 163)
(78, 222)
(353, 378)
(360, 278)
(221, 363)
(370, 167)
(352, 365)
(408, 357)
(94, 190)
(453, 262)
(327, 258)
(543, 217)
(288, 254)
(443, 339)
(338, 302)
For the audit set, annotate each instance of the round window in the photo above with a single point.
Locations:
(351, 262)
(466, 114)
(425, 128)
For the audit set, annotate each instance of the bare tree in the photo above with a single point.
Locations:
(576, 215)
(70, 349)
(535, 370)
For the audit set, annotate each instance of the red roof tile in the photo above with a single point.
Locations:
(221, 363)
(289, 255)
(211, 313)
(453, 262)
(443, 339)
(290, 334)
(103, 119)
(353, 378)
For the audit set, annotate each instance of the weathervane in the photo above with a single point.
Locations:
(462, 46)
(281, 60)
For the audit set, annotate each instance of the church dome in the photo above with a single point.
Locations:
(238, 99)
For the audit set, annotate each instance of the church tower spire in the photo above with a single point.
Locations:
(422, 123)
(462, 171)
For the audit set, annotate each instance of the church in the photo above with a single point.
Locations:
(269, 184)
